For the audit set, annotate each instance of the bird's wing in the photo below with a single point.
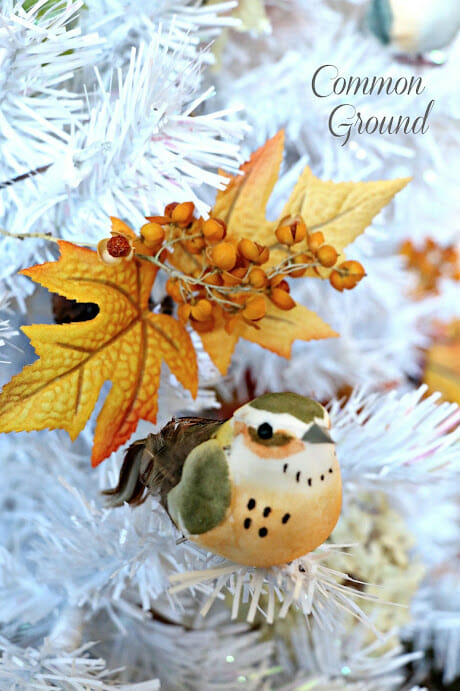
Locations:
(154, 464)
(199, 502)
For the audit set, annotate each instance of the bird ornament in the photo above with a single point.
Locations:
(414, 27)
(261, 488)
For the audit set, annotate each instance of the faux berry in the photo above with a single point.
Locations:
(253, 251)
(327, 255)
(292, 233)
(214, 230)
(152, 235)
(183, 213)
(255, 308)
(223, 255)
(315, 240)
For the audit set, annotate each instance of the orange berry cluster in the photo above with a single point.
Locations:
(228, 279)
(317, 253)
(432, 262)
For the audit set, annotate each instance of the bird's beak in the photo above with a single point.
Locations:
(317, 435)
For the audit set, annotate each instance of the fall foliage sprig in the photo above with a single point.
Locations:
(224, 277)
(227, 275)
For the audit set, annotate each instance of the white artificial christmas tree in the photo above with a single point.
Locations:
(111, 108)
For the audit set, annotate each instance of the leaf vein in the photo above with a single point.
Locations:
(107, 284)
(73, 369)
(333, 218)
(72, 346)
(163, 334)
(139, 379)
(79, 388)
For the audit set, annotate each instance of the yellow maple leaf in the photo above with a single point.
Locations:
(442, 369)
(125, 343)
(341, 211)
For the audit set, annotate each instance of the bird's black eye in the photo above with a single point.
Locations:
(265, 431)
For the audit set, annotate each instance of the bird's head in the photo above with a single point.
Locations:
(278, 425)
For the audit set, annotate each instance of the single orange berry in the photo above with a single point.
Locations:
(202, 310)
(327, 255)
(255, 308)
(173, 289)
(354, 272)
(300, 259)
(203, 326)
(291, 233)
(336, 280)
(253, 251)
(247, 248)
(348, 274)
(284, 235)
(281, 299)
(183, 312)
(153, 235)
(223, 256)
(214, 230)
(354, 267)
(183, 213)
(315, 240)
(258, 278)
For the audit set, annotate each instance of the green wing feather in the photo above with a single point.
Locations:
(201, 499)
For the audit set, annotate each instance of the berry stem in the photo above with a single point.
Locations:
(41, 236)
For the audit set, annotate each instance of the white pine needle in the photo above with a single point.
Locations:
(305, 583)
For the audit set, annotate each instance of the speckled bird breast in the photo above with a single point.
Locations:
(281, 508)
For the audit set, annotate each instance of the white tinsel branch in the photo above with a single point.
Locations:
(45, 668)
(391, 438)
(306, 583)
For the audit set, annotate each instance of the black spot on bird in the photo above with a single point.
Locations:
(330, 470)
(285, 518)
(251, 504)
(263, 532)
(301, 568)
(267, 511)
(309, 481)
(247, 523)
(285, 467)
(322, 477)
(297, 476)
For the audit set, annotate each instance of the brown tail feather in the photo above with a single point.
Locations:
(129, 488)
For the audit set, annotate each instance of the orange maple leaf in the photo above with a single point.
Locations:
(125, 343)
